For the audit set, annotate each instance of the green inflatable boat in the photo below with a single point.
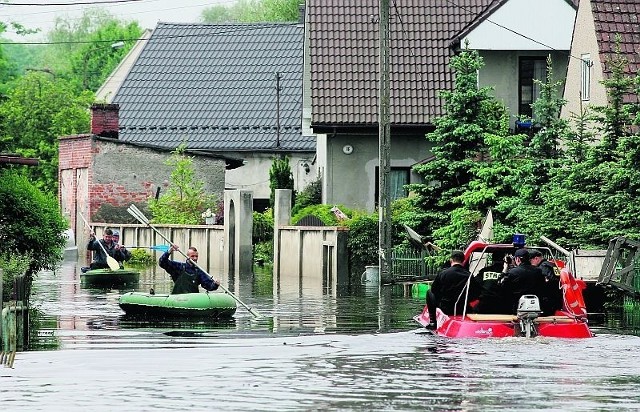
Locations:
(108, 277)
(216, 305)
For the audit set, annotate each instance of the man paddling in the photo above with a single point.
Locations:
(99, 247)
(185, 275)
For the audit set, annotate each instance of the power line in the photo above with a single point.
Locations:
(516, 32)
(78, 3)
(225, 3)
(250, 27)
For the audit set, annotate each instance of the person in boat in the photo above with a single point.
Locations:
(99, 257)
(185, 275)
(492, 295)
(447, 291)
(523, 279)
(124, 253)
(551, 299)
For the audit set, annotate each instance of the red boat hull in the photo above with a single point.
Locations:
(563, 325)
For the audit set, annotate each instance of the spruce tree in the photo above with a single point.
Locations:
(457, 143)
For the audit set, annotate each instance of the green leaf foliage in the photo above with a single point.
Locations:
(13, 265)
(31, 223)
(262, 226)
(94, 61)
(37, 111)
(253, 11)
(581, 197)
(310, 195)
(185, 198)
(324, 213)
(362, 243)
(457, 142)
(280, 177)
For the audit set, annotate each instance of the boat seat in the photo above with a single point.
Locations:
(491, 317)
(495, 317)
(554, 319)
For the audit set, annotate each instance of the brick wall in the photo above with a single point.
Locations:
(74, 151)
(104, 120)
(119, 174)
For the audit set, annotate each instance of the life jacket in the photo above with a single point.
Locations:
(185, 283)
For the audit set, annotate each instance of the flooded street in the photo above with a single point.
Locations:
(310, 350)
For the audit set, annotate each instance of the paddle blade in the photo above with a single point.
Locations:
(161, 248)
(113, 264)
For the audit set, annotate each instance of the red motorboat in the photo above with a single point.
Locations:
(570, 322)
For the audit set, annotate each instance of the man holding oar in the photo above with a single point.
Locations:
(185, 275)
(104, 249)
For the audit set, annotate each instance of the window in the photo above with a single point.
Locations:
(585, 77)
(399, 177)
(531, 68)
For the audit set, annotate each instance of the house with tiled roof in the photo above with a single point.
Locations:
(514, 37)
(598, 23)
(232, 91)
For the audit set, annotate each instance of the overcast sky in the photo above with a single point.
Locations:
(146, 12)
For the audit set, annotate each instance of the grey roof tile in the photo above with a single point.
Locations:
(214, 86)
(343, 46)
(618, 17)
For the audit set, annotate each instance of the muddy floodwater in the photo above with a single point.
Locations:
(312, 349)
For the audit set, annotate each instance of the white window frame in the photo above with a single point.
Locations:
(585, 77)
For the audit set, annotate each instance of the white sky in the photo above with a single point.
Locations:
(145, 12)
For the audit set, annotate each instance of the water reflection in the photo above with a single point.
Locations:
(302, 307)
(313, 349)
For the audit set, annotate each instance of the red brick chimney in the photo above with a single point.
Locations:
(104, 120)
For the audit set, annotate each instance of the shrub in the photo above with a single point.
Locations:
(262, 226)
(280, 177)
(309, 196)
(263, 253)
(140, 257)
(30, 223)
(12, 267)
(324, 213)
(363, 242)
(185, 198)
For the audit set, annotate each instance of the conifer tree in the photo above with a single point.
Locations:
(457, 143)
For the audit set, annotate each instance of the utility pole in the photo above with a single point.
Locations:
(277, 110)
(384, 144)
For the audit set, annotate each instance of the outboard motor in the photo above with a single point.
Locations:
(528, 311)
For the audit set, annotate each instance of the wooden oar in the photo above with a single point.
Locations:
(140, 217)
(113, 264)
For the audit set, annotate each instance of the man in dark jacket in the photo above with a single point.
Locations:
(492, 297)
(124, 253)
(523, 279)
(185, 275)
(447, 291)
(551, 299)
(99, 257)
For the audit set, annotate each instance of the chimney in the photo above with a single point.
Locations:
(104, 120)
(301, 14)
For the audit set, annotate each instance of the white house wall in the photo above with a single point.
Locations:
(350, 179)
(254, 175)
(501, 73)
(584, 42)
(548, 22)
